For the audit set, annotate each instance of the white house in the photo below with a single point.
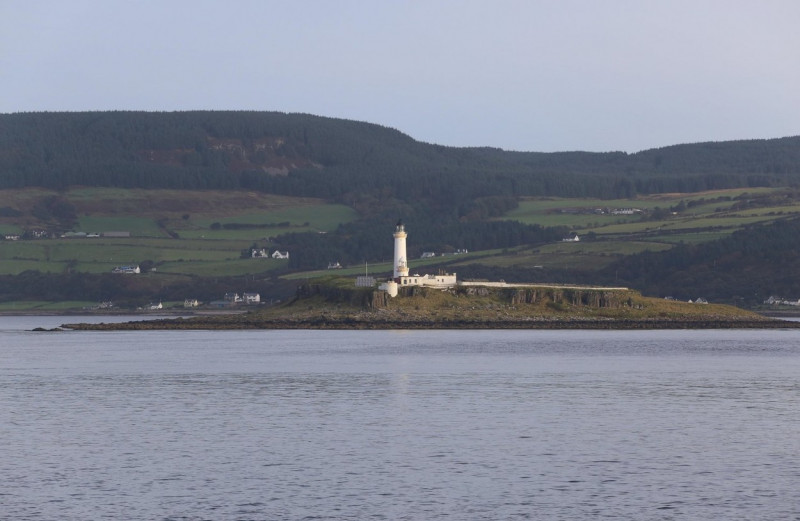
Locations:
(232, 297)
(427, 255)
(127, 269)
(280, 254)
(574, 238)
(259, 253)
(251, 298)
(443, 281)
(190, 303)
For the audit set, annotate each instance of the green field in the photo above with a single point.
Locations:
(183, 232)
(41, 306)
(178, 231)
(137, 226)
(584, 255)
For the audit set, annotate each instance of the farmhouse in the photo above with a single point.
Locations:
(280, 254)
(251, 298)
(127, 269)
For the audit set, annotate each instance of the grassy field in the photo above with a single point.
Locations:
(230, 267)
(580, 213)
(183, 232)
(137, 226)
(179, 231)
(697, 218)
(42, 306)
(567, 255)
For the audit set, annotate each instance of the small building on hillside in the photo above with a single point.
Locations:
(190, 303)
(233, 298)
(127, 270)
(251, 298)
(280, 254)
(259, 253)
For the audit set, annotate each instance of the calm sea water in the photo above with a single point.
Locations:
(422, 425)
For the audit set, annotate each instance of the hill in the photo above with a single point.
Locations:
(311, 156)
(197, 192)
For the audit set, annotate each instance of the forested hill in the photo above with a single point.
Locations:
(300, 154)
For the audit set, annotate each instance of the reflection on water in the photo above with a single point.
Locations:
(417, 425)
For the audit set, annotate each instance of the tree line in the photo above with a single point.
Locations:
(305, 155)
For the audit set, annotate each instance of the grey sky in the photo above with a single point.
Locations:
(521, 75)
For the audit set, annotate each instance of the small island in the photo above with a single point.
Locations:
(421, 301)
(334, 304)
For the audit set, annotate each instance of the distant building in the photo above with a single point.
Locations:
(779, 301)
(280, 255)
(251, 298)
(573, 238)
(257, 253)
(427, 255)
(232, 297)
(334, 266)
(190, 303)
(444, 280)
(127, 270)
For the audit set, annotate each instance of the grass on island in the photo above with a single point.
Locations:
(496, 305)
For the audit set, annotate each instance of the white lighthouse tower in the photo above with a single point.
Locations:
(400, 262)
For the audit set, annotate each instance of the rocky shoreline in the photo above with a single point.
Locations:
(321, 306)
(361, 323)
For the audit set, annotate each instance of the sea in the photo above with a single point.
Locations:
(398, 425)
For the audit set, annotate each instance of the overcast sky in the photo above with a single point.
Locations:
(528, 75)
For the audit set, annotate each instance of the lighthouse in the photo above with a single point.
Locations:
(400, 262)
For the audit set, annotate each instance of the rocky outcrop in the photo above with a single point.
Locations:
(364, 298)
